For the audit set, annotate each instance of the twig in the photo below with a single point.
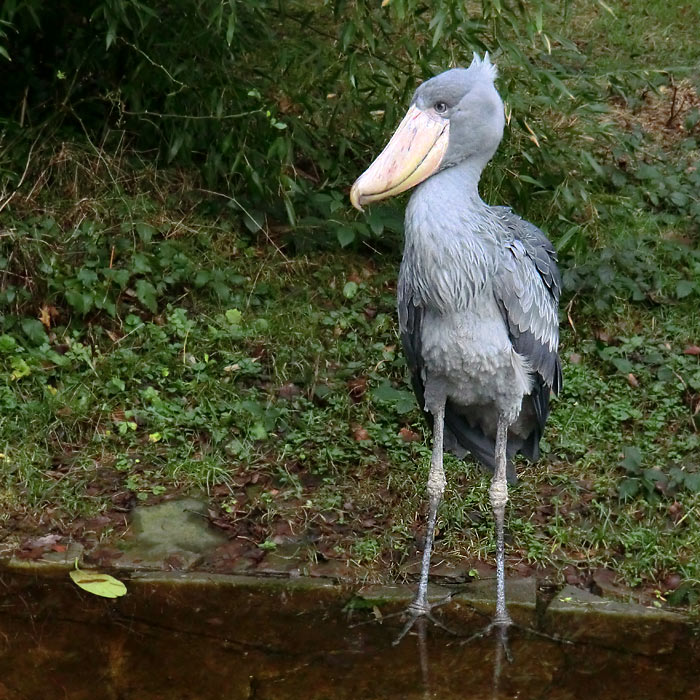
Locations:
(569, 306)
(191, 117)
(156, 65)
(24, 107)
(24, 174)
(264, 229)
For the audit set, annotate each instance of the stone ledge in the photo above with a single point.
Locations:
(581, 616)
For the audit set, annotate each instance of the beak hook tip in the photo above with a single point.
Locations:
(356, 198)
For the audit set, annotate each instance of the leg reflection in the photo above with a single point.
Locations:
(501, 651)
(422, 628)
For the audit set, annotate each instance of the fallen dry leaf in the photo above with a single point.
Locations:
(671, 582)
(675, 511)
(360, 434)
(44, 541)
(45, 316)
(357, 388)
(408, 435)
(288, 391)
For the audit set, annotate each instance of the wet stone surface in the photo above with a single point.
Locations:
(180, 636)
(266, 630)
(577, 614)
(174, 534)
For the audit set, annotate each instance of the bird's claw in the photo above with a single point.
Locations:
(423, 609)
(502, 625)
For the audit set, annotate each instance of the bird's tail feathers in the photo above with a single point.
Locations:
(460, 438)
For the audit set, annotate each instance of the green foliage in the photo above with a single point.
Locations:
(401, 400)
(109, 263)
(644, 264)
(281, 106)
(155, 339)
(292, 386)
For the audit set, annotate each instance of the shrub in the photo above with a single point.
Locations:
(281, 105)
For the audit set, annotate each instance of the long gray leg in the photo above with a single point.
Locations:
(436, 487)
(498, 493)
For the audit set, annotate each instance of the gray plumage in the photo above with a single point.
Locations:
(477, 296)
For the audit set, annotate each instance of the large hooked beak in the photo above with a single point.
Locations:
(413, 154)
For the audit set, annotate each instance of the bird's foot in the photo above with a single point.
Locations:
(421, 608)
(501, 623)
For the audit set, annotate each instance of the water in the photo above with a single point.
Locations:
(284, 640)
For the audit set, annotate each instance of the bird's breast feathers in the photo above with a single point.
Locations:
(474, 355)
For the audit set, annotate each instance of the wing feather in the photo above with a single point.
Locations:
(527, 287)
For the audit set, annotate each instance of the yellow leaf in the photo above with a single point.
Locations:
(98, 584)
(45, 316)
(532, 136)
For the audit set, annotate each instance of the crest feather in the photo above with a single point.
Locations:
(484, 66)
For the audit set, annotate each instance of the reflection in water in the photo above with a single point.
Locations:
(422, 627)
(282, 640)
(500, 639)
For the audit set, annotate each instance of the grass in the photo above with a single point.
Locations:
(151, 347)
(288, 405)
(632, 36)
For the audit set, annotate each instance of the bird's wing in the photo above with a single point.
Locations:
(527, 286)
(410, 318)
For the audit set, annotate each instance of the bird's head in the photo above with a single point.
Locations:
(455, 116)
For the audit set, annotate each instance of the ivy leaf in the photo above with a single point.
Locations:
(118, 274)
(632, 460)
(87, 276)
(145, 231)
(7, 343)
(258, 432)
(345, 236)
(692, 482)
(233, 316)
(146, 294)
(140, 264)
(350, 290)
(401, 400)
(202, 277)
(34, 330)
(622, 364)
(81, 302)
(628, 488)
(684, 288)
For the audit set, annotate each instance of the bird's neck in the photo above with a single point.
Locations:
(449, 249)
(448, 203)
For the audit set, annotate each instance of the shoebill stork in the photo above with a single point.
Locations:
(478, 293)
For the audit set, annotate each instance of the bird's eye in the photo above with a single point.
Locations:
(440, 107)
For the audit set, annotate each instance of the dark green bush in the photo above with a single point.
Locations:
(280, 105)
